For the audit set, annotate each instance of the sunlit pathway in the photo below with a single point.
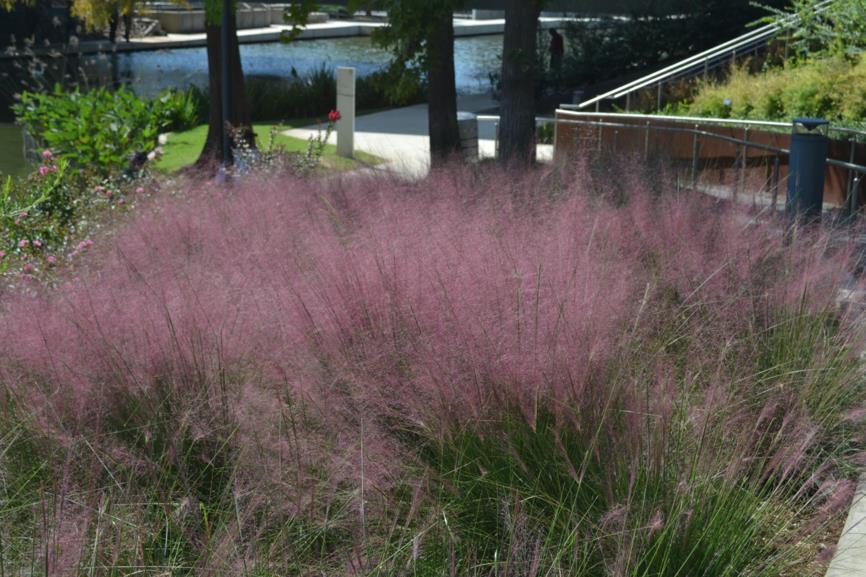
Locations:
(400, 135)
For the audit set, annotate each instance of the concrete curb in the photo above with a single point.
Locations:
(850, 557)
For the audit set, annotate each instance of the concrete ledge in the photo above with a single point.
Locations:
(850, 557)
(266, 33)
(180, 21)
(253, 18)
(487, 14)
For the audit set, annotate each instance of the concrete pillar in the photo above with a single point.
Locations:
(467, 125)
(346, 106)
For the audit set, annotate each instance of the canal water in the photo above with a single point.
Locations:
(149, 72)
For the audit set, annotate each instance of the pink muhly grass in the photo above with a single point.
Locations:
(312, 319)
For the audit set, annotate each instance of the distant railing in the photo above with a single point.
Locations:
(649, 125)
(703, 62)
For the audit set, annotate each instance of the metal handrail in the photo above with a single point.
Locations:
(748, 40)
(856, 172)
(694, 131)
(851, 132)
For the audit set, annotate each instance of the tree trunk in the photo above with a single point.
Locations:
(127, 25)
(517, 107)
(113, 22)
(442, 89)
(211, 154)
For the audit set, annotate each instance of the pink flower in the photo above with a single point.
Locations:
(139, 190)
(17, 222)
(109, 193)
(23, 243)
(53, 168)
(43, 170)
(24, 214)
(47, 154)
(85, 244)
(52, 260)
(99, 188)
(37, 243)
(28, 268)
(334, 115)
(2, 254)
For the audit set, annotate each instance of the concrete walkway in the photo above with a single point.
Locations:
(850, 557)
(400, 135)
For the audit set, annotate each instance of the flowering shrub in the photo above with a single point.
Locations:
(271, 157)
(103, 131)
(41, 213)
(480, 373)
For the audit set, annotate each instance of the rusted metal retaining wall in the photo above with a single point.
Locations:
(739, 158)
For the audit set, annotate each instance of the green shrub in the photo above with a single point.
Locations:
(832, 88)
(45, 212)
(545, 133)
(837, 28)
(100, 130)
(313, 95)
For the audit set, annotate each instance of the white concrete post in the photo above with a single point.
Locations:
(346, 106)
(467, 128)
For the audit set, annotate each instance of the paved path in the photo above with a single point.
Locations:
(850, 558)
(400, 135)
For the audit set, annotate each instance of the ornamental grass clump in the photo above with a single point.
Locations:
(480, 373)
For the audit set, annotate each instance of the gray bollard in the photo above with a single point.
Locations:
(346, 106)
(808, 163)
(467, 126)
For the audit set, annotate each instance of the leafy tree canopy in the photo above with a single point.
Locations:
(410, 23)
(837, 28)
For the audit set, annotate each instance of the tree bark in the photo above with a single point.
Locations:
(517, 107)
(113, 22)
(211, 154)
(442, 89)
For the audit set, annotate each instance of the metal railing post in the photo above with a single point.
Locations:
(741, 184)
(853, 195)
(646, 141)
(600, 129)
(696, 145)
(853, 142)
(775, 182)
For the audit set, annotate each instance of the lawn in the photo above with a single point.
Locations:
(183, 148)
